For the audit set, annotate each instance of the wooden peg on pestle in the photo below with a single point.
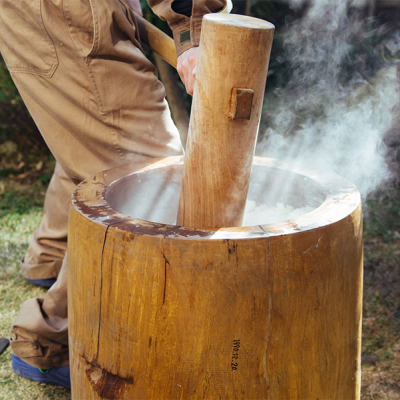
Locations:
(226, 110)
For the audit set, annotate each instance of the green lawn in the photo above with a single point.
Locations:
(19, 215)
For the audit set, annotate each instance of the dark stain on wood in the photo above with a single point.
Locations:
(232, 250)
(107, 385)
(192, 298)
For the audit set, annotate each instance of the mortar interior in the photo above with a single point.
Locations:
(153, 195)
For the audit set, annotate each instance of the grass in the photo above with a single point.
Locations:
(381, 318)
(20, 214)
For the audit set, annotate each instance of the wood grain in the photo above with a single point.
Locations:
(157, 40)
(234, 54)
(155, 309)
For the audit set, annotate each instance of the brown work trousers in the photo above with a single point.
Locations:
(96, 99)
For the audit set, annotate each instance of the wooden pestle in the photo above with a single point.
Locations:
(226, 110)
(157, 40)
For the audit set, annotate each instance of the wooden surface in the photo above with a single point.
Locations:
(165, 312)
(234, 56)
(157, 40)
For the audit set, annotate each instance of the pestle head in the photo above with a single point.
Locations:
(242, 21)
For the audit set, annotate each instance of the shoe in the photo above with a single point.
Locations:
(42, 282)
(55, 376)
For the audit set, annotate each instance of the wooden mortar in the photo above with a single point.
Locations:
(158, 311)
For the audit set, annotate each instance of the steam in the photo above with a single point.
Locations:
(335, 109)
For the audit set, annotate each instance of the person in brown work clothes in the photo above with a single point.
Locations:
(96, 99)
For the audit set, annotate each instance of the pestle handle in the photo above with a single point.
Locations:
(157, 40)
(226, 110)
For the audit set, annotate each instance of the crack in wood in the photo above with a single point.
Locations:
(266, 376)
(101, 290)
(232, 250)
(166, 262)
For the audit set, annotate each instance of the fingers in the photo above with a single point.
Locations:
(182, 68)
(190, 80)
(187, 63)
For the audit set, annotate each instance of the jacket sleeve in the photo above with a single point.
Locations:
(186, 30)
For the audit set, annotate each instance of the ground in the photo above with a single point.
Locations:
(20, 213)
(381, 319)
(15, 231)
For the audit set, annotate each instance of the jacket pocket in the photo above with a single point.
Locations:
(24, 42)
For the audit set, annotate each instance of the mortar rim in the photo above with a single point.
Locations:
(89, 198)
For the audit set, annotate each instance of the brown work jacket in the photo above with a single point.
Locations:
(181, 25)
